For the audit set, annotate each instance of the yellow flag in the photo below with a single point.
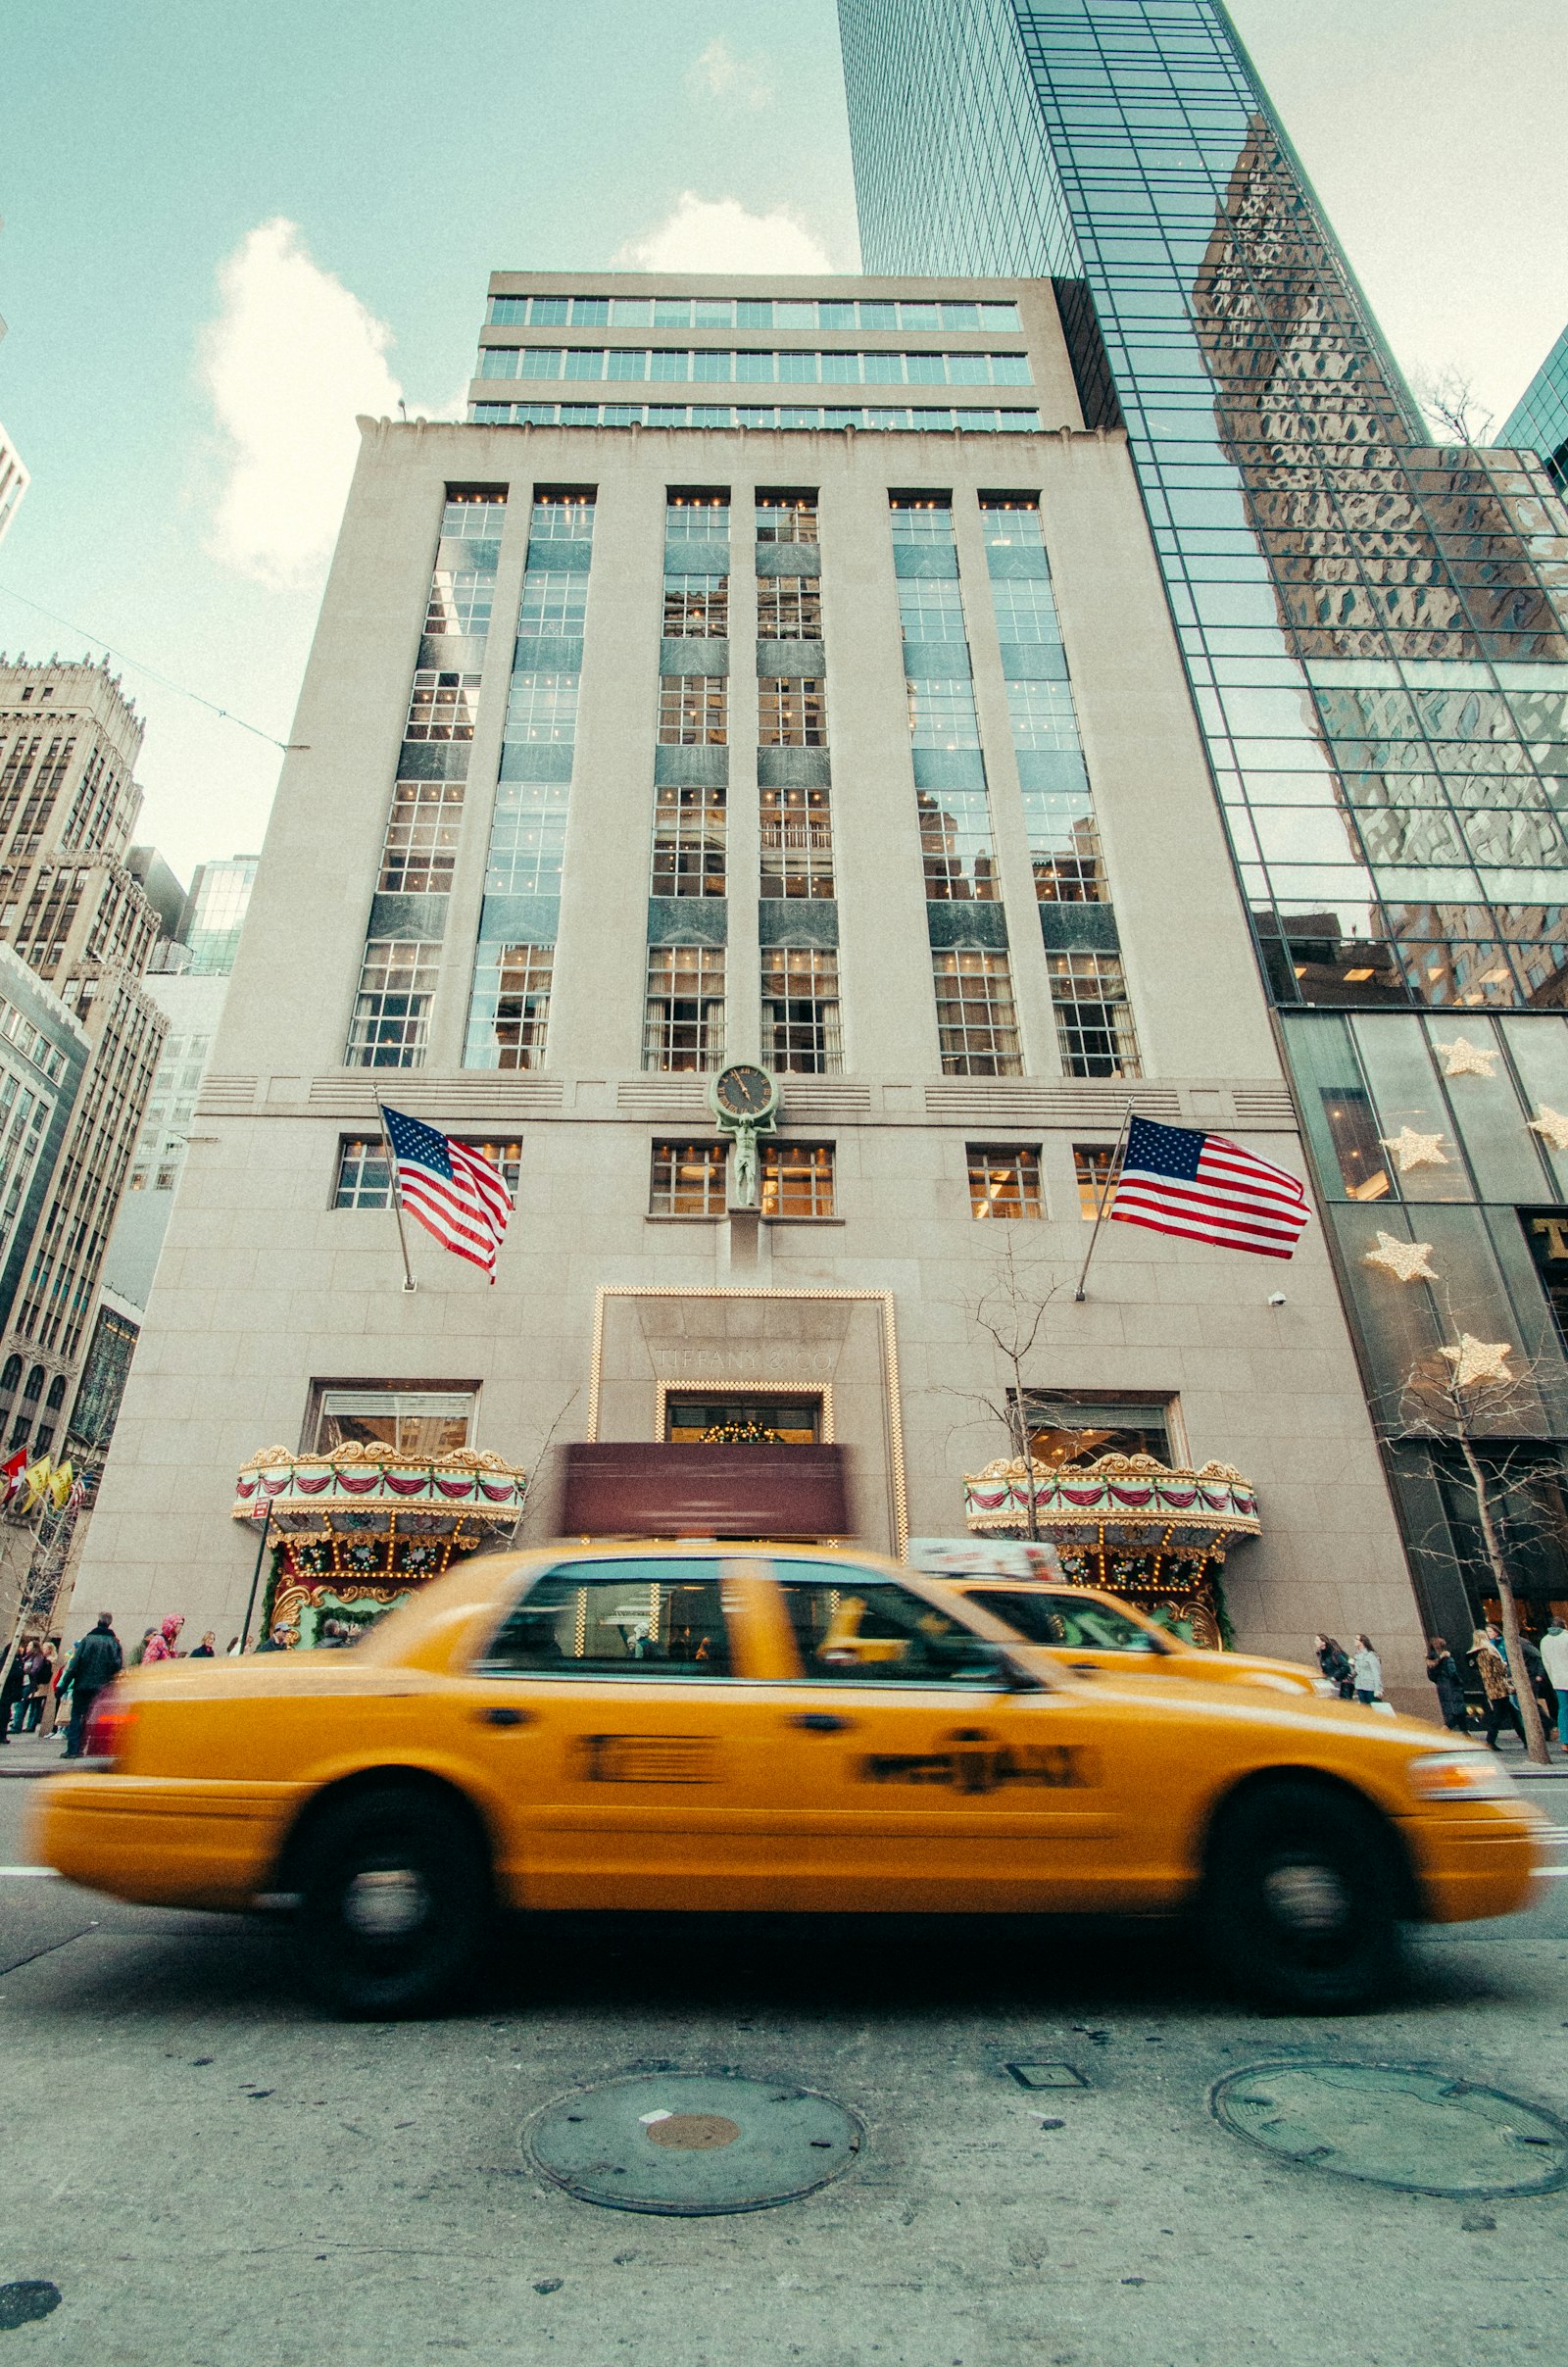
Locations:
(60, 1485)
(38, 1477)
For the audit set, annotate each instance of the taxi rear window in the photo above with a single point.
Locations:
(859, 1625)
(1057, 1619)
(657, 1618)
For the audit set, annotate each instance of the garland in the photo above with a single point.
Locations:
(741, 1434)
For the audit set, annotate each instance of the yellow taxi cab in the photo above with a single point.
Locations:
(702, 1726)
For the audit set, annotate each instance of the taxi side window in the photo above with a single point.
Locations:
(1056, 1620)
(859, 1625)
(624, 1618)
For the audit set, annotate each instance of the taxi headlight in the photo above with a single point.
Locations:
(1460, 1775)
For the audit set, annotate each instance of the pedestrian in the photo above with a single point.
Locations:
(277, 1639)
(96, 1661)
(41, 1676)
(207, 1649)
(333, 1637)
(231, 1649)
(1497, 1705)
(162, 1645)
(1539, 1682)
(1366, 1671)
(15, 1687)
(1554, 1659)
(51, 1708)
(1443, 1671)
(1333, 1662)
(138, 1651)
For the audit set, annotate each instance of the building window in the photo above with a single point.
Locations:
(402, 1415)
(931, 608)
(688, 1179)
(693, 711)
(955, 850)
(684, 1027)
(1097, 1167)
(921, 517)
(391, 1022)
(688, 841)
(801, 1029)
(510, 1014)
(527, 839)
(1043, 715)
(542, 710)
(792, 712)
(474, 513)
(460, 602)
(785, 517)
(1071, 1430)
(1094, 1017)
(1005, 1182)
(700, 515)
(421, 838)
(1064, 845)
(696, 608)
(789, 608)
(364, 1173)
(797, 842)
(942, 715)
(977, 1028)
(796, 1179)
(555, 602)
(564, 513)
(443, 705)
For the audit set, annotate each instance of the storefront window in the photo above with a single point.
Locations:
(403, 1418)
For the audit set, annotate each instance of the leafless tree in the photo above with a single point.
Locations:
(1448, 398)
(1010, 1311)
(1481, 1413)
(536, 1462)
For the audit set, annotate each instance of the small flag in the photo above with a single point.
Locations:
(11, 1479)
(454, 1191)
(1175, 1180)
(37, 1482)
(60, 1485)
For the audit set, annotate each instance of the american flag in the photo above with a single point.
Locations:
(454, 1191)
(1175, 1180)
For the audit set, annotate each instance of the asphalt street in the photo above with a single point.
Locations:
(209, 2172)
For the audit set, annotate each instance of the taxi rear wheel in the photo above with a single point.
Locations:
(1299, 1905)
(394, 1902)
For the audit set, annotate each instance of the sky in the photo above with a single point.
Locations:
(229, 229)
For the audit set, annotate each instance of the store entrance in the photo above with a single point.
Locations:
(742, 1417)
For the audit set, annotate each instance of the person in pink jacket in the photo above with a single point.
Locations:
(164, 1644)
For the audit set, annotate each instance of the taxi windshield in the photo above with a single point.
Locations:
(1062, 1620)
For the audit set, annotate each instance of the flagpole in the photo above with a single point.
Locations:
(1100, 1204)
(409, 1282)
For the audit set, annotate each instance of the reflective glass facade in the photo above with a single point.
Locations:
(1374, 629)
(1538, 421)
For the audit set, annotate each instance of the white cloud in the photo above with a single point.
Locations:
(291, 358)
(719, 73)
(717, 234)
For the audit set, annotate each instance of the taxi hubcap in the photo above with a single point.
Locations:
(1307, 1899)
(385, 1905)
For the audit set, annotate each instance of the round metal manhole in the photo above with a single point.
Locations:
(1396, 2125)
(690, 2144)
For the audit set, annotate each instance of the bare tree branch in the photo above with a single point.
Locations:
(1449, 401)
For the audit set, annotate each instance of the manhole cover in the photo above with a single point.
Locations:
(690, 2144)
(1395, 2125)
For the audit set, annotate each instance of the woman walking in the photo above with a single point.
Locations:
(164, 1644)
(1497, 1705)
(1443, 1672)
(1366, 1671)
(1333, 1662)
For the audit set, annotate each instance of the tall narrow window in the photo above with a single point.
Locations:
(696, 607)
(792, 712)
(460, 601)
(510, 1014)
(1095, 1168)
(956, 849)
(1094, 1018)
(421, 838)
(684, 1025)
(554, 603)
(785, 517)
(442, 706)
(391, 1023)
(693, 711)
(527, 838)
(801, 1029)
(696, 514)
(977, 1026)
(789, 608)
(688, 841)
(561, 513)
(797, 842)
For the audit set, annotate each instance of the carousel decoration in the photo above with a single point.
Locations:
(1129, 1524)
(357, 1529)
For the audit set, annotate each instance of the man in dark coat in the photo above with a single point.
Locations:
(15, 1685)
(96, 1661)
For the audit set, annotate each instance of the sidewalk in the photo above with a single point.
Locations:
(27, 1755)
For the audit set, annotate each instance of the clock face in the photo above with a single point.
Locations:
(743, 1092)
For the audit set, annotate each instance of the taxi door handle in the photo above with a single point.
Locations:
(501, 1713)
(821, 1721)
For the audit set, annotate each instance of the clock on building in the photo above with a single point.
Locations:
(743, 1095)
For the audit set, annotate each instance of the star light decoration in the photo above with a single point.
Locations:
(1461, 1058)
(1478, 1360)
(1413, 1149)
(1405, 1260)
(1551, 1127)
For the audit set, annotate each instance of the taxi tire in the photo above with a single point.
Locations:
(391, 1830)
(1289, 1831)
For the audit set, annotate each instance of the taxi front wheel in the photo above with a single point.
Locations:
(394, 1902)
(1300, 1899)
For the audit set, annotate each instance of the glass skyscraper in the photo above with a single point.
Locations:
(1538, 421)
(1374, 630)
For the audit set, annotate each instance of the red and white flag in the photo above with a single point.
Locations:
(1176, 1180)
(454, 1191)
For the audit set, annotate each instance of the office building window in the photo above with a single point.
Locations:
(797, 828)
(1026, 610)
(801, 1027)
(1096, 1166)
(421, 838)
(688, 841)
(696, 608)
(508, 1017)
(684, 1025)
(363, 1176)
(1064, 845)
(554, 603)
(693, 711)
(460, 602)
(931, 608)
(1094, 1017)
(391, 1022)
(563, 513)
(789, 608)
(977, 1026)
(785, 517)
(443, 705)
(942, 715)
(792, 712)
(474, 514)
(921, 517)
(1043, 714)
(527, 839)
(956, 849)
(542, 710)
(688, 1179)
(696, 514)
(1005, 1181)
(796, 1179)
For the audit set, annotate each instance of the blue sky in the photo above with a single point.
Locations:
(227, 228)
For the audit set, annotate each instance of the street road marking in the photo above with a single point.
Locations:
(1553, 1873)
(49, 1873)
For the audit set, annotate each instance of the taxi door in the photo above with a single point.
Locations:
(908, 1775)
(605, 1720)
